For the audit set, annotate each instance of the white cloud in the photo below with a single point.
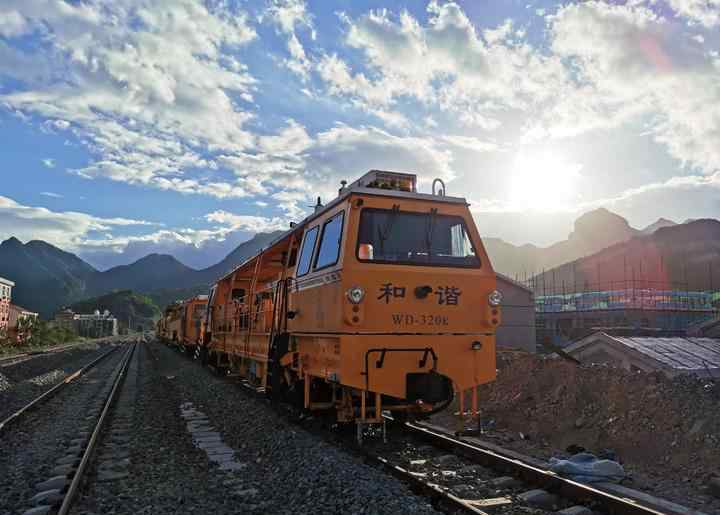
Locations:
(149, 87)
(288, 15)
(296, 167)
(632, 62)
(705, 183)
(49, 163)
(233, 222)
(66, 229)
(50, 194)
(446, 64)
(704, 12)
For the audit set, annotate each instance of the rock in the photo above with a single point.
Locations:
(506, 482)
(47, 497)
(445, 459)
(576, 510)
(63, 470)
(539, 498)
(471, 470)
(714, 486)
(111, 475)
(39, 510)
(580, 421)
(248, 492)
(696, 427)
(57, 482)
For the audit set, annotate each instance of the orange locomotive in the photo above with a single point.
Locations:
(384, 299)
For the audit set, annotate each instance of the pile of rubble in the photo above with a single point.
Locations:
(662, 430)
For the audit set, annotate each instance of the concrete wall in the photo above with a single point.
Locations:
(517, 330)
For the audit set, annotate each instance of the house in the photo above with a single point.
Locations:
(6, 287)
(670, 355)
(16, 317)
(94, 325)
(517, 327)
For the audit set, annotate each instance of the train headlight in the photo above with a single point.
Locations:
(495, 298)
(355, 294)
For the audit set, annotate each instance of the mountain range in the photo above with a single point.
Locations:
(48, 278)
(601, 243)
(592, 232)
(684, 257)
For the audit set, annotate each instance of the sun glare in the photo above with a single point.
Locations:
(543, 183)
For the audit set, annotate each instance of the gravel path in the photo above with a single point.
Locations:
(22, 382)
(33, 444)
(275, 468)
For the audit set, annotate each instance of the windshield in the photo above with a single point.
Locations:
(393, 236)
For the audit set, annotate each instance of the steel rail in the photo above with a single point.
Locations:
(12, 418)
(567, 488)
(434, 492)
(24, 356)
(87, 455)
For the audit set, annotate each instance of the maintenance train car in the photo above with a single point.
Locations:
(383, 299)
(192, 323)
(172, 323)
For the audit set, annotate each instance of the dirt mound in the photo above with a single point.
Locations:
(661, 429)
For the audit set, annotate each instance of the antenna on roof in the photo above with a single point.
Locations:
(319, 205)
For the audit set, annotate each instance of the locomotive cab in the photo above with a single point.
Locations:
(392, 299)
(383, 299)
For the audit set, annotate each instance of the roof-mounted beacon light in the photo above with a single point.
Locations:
(384, 180)
(343, 183)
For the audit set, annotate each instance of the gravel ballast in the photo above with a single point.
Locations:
(22, 382)
(276, 467)
(33, 444)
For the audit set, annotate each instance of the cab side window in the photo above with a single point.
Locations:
(330, 242)
(307, 251)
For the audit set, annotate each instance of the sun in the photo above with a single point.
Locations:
(543, 182)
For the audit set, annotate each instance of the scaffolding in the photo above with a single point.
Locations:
(621, 295)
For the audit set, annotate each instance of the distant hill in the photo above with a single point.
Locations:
(152, 272)
(593, 231)
(45, 276)
(48, 278)
(163, 297)
(661, 222)
(128, 307)
(241, 253)
(682, 256)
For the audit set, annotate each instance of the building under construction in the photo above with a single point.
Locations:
(632, 307)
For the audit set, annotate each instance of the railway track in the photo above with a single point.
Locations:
(48, 445)
(45, 396)
(467, 478)
(8, 361)
(461, 476)
(83, 466)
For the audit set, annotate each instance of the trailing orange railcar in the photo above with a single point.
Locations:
(384, 299)
(192, 322)
(171, 323)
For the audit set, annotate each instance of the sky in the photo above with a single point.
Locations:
(184, 127)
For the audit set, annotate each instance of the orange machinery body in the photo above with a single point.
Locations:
(172, 323)
(418, 329)
(192, 322)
